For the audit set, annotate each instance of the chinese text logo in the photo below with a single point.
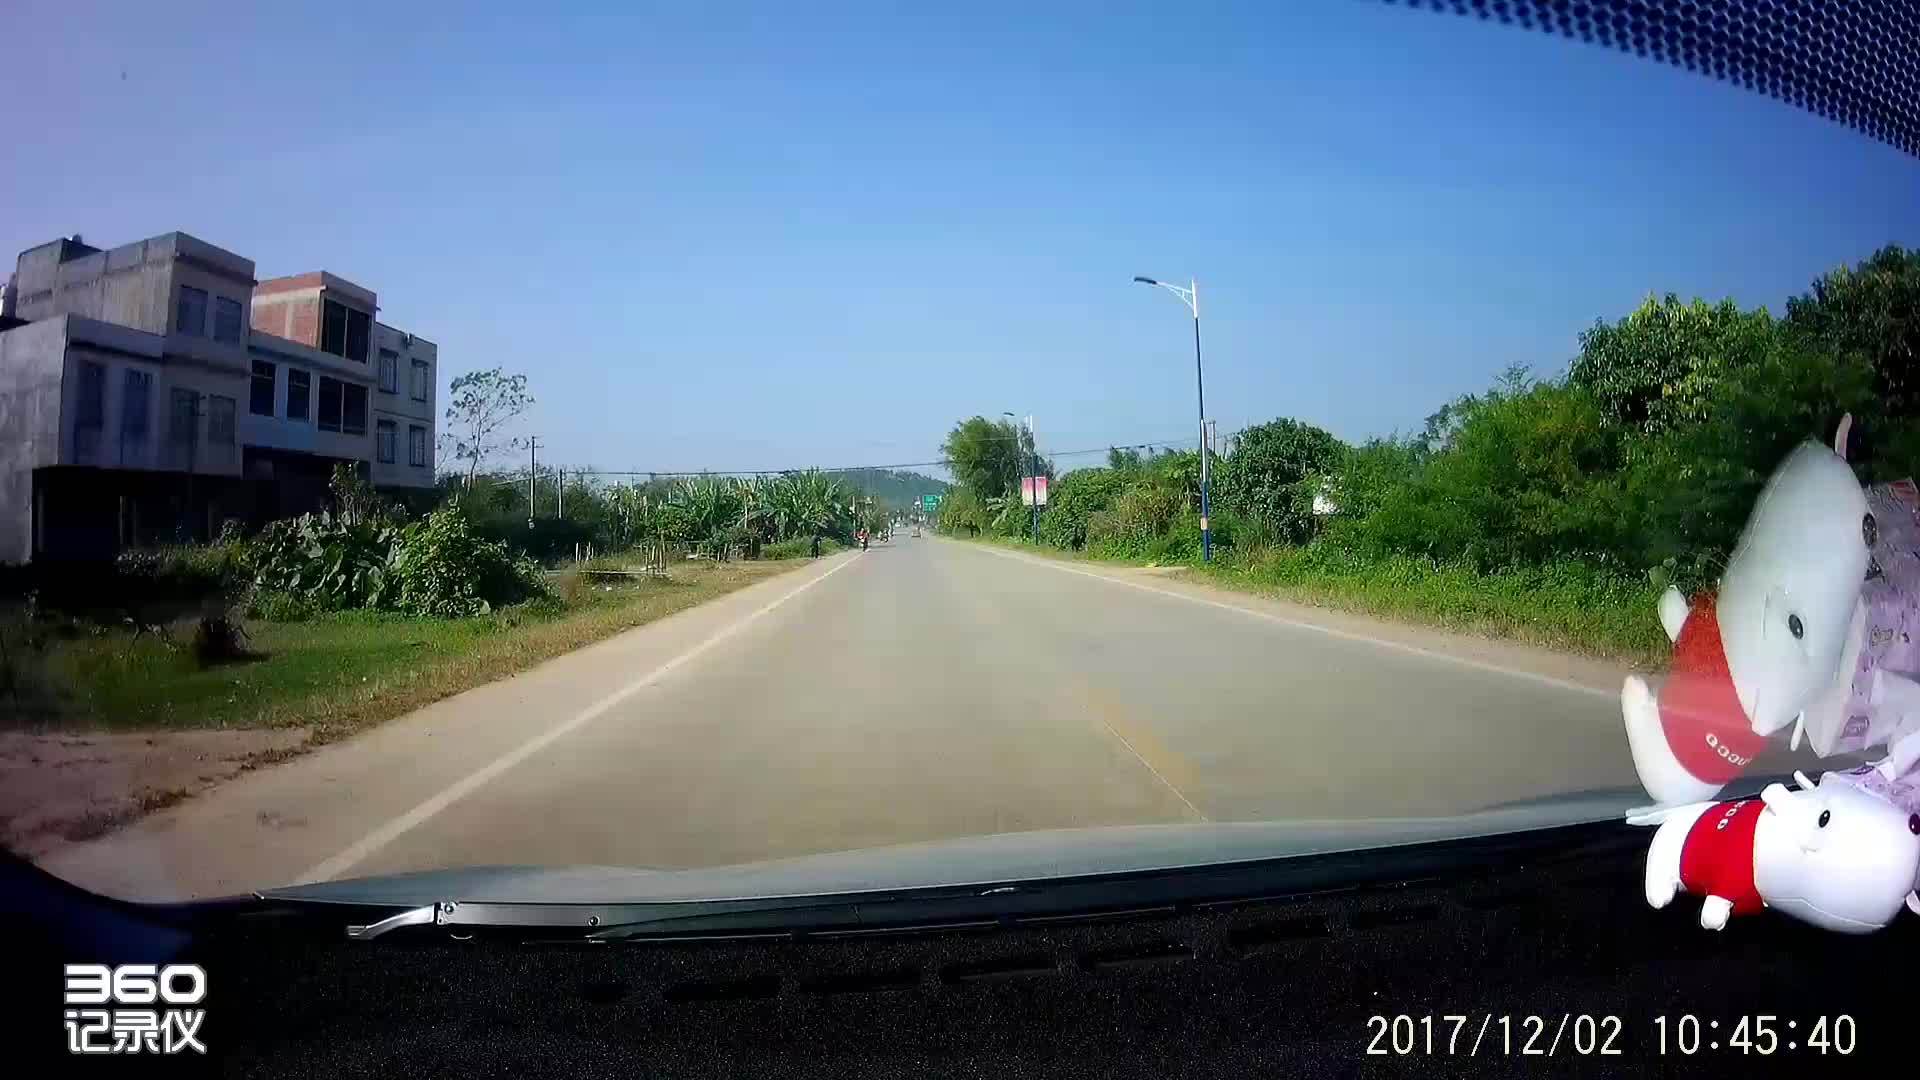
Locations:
(145, 1028)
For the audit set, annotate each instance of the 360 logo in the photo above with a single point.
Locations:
(132, 1031)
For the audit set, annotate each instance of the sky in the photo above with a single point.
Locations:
(728, 237)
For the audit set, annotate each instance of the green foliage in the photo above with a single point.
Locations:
(354, 498)
(1566, 603)
(1659, 366)
(1139, 518)
(439, 566)
(1871, 311)
(989, 456)
(446, 570)
(1273, 473)
(963, 511)
(1369, 473)
(1694, 488)
(1075, 498)
(1528, 473)
(798, 547)
(331, 563)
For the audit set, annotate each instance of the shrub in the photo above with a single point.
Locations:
(1270, 475)
(799, 547)
(325, 561)
(444, 569)
(1074, 499)
(437, 566)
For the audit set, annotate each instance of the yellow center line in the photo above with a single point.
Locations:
(1146, 748)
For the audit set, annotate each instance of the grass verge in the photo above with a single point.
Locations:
(342, 672)
(1568, 606)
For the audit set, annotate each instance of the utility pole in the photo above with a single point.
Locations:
(533, 444)
(559, 493)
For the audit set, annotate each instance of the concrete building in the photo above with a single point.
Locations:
(140, 400)
(406, 372)
(388, 371)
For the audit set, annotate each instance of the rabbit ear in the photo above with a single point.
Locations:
(1840, 435)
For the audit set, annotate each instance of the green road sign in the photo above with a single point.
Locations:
(929, 503)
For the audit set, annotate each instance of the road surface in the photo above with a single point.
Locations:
(925, 689)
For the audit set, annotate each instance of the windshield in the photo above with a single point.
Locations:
(671, 440)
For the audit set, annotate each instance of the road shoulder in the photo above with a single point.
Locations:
(267, 825)
(1578, 672)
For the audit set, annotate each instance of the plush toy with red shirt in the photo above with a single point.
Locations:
(1782, 635)
(1835, 855)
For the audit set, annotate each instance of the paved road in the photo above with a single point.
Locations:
(923, 690)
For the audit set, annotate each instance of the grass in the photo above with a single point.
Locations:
(1567, 606)
(339, 673)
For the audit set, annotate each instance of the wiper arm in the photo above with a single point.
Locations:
(420, 916)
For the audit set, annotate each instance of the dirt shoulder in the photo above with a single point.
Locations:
(144, 729)
(57, 789)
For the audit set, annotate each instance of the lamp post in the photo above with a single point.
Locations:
(1019, 455)
(1190, 296)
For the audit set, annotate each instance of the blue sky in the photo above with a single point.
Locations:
(742, 237)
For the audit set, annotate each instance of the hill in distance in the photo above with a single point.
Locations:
(893, 487)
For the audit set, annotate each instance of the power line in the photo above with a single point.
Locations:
(670, 474)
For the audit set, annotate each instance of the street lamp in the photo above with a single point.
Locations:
(1018, 457)
(1190, 296)
(1021, 453)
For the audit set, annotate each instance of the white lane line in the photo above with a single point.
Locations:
(1137, 756)
(467, 785)
(1345, 635)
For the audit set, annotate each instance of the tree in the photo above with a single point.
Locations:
(1121, 460)
(1658, 367)
(988, 456)
(805, 504)
(1872, 310)
(1527, 473)
(482, 404)
(1270, 477)
(962, 509)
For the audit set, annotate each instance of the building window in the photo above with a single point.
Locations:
(383, 439)
(134, 390)
(417, 446)
(333, 328)
(90, 411)
(220, 420)
(420, 380)
(299, 384)
(389, 371)
(226, 319)
(359, 334)
(329, 404)
(260, 394)
(344, 332)
(183, 404)
(354, 414)
(190, 316)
